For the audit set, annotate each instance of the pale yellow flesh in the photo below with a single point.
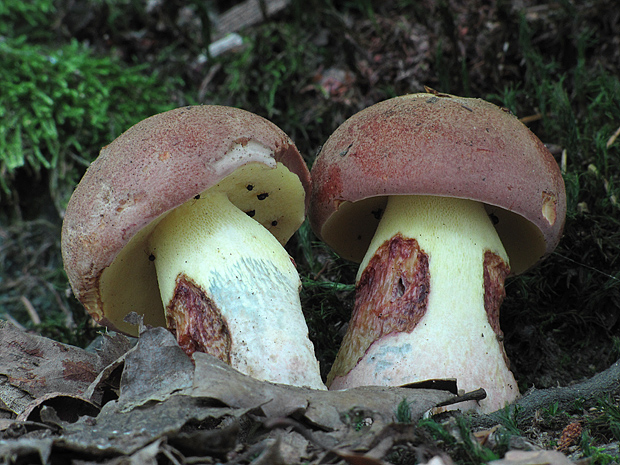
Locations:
(454, 338)
(249, 276)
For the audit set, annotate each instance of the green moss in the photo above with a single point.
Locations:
(60, 104)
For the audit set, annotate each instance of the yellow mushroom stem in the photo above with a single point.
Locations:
(230, 289)
(427, 304)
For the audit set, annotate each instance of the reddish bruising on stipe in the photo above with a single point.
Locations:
(495, 272)
(391, 297)
(196, 321)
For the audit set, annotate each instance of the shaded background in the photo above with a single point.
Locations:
(74, 74)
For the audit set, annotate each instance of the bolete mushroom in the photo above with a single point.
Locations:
(440, 198)
(182, 219)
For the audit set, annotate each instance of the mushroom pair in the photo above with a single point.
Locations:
(440, 198)
(182, 219)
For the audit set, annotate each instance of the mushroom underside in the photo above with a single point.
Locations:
(351, 228)
(129, 283)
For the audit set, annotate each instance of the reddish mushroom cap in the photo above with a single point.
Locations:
(425, 144)
(152, 168)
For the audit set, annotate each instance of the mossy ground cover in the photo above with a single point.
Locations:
(76, 74)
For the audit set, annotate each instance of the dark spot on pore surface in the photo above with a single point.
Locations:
(378, 213)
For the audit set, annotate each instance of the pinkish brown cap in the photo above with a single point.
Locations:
(152, 168)
(426, 144)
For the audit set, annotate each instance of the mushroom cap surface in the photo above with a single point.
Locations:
(443, 145)
(152, 168)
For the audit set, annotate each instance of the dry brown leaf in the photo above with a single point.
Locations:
(327, 410)
(207, 408)
(32, 366)
(154, 370)
(30, 448)
(151, 371)
(67, 408)
(292, 446)
(118, 432)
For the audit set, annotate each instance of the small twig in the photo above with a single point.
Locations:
(531, 118)
(34, 316)
(15, 323)
(564, 162)
(321, 271)
(168, 451)
(600, 385)
(613, 138)
(591, 268)
(69, 322)
(245, 14)
(477, 395)
(202, 90)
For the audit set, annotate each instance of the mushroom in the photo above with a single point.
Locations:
(440, 198)
(182, 219)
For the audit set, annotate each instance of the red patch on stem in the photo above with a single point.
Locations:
(391, 297)
(495, 272)
(196, 321)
